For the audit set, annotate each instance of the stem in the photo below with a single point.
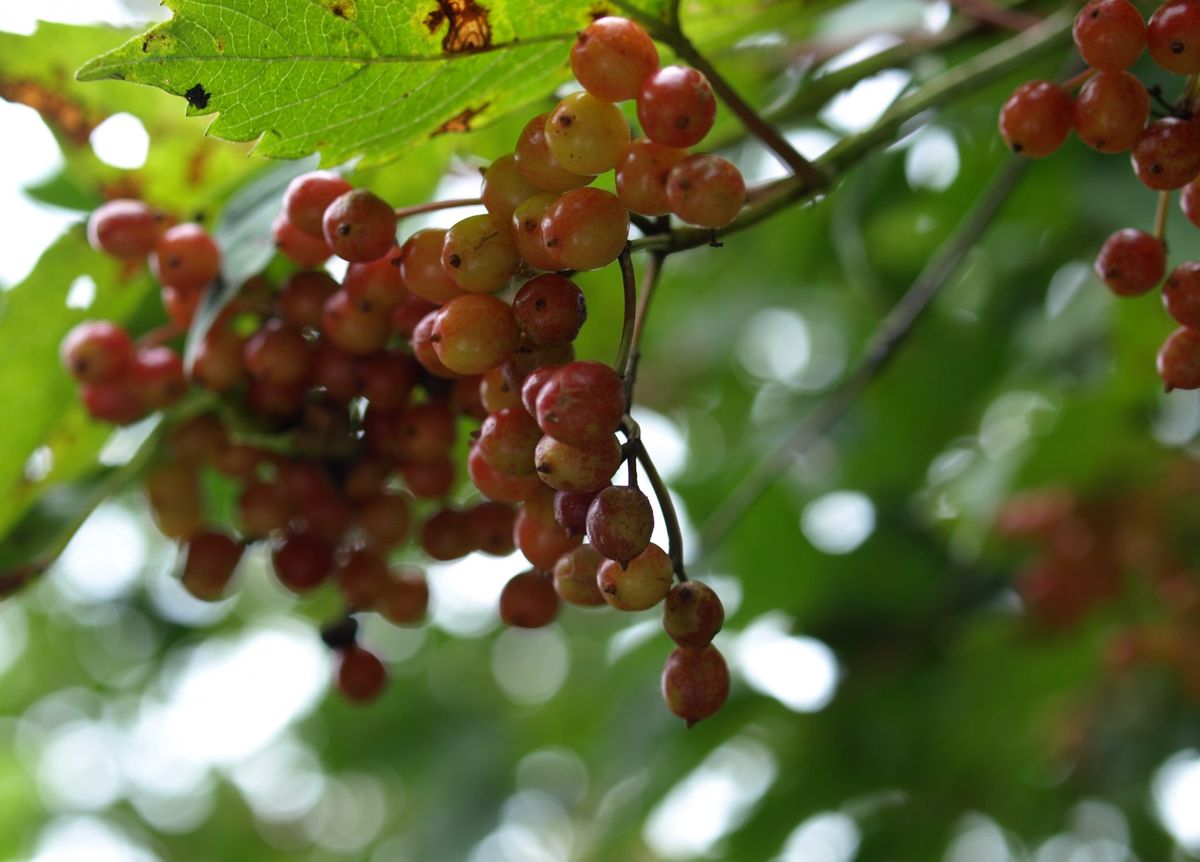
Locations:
(160, 335)
(1160, 216)
(670, 516)
(434, 206)
(629, 283)
(649, 282)
(997, 16)
(885, 341)
(801, 167)
(1079, 80)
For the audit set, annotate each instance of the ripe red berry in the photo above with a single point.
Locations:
(278, 354)
(113, 401)
(300, 248)
(1036, 119)
(96, 351)
(1132, 262)
(445, 536)
(575, 577)
(361, 676)
(529, 601)
(692, 614)
(537, 166)
(1181, 294)
(504, 189)
(581, 403)
(378, 282)
(490, 524)
(479, 254)
(676, 106)
(586, 228)
(706, 191)
(359, 226)
(1166, 155)
(262, 509)
(303, 295)
(355, 327)
(1110, 34)
(1111, 111)
(507, 440)
(642, 584)
(404, 599)
(571, 510)
(125, 228)
(529, 236)
(384, 519)
(425, 349)
(695, 683)
(577, 468)
(186, 256)
(157, 377)
(539, 536)
(586, 135)
(1179, 360)
(619, 523)
(497, 485)
(210, 560)
(302, 562)
(1173, 36)
(308, 196)
(612, 57)
(550, 309)
(642, 173)
(474, 332)
(421, 267)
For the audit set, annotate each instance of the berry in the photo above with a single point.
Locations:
(303, 296)
(642, 176)
(586, 135)
(308, 196)
(278, 354)
(200, 439)
(377, 282)
(1110, 34)
(1166, 155)
(355, 327)
(445, 536)
(425, 350)
(480, 254)
(528, 235)
(577, 468)
(1131, 262)
(474, 332)
(1173, 36)
(496, 393)
(581, 403)
(537, 165)
(218, 364)
(157, 377)
(208, 567)
(302, 562)
(539, 537)
(619, 523)
(361, 676)
(575, 577)
(186, 257)
(359, 226)
(706, 191)
(334, 371)
(262, 509)
(1179, 360)
(676, 106)
(1036, 119)
(504, 189)
(571, 510)
(586, 228)
(97, 351)
(1181, 294)
(181, 305)
(490, 525)
(1111, 111)
(507, 440)
(695, 683)
(642, 584)
(1189, 202)
(495, 485)
(550, 309)
(300, 248)
(384, 519)
(404, 599)
(430, 479)
(421, 267)
(125, 228)
(529, 601)
(692, 614)
(612, 57)
(386, 379)
(113, 401)
(361, 578)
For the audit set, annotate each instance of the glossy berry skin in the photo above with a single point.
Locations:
(359, 226)
(308, 196)
(1179, 360)
(475, 332)
(112, 401)
(1037, 118)
(528, 235)
(571, 510)
(209, 564)
(575, 577)
(479, 254)
(1132, 262)
(586, 135)
(692, 614)
(302, 562)
(537, 166)
(1110, 34)
(186, 257)
(504, 189)
(619, 523)
(1189, 202)
(496, 393)
(529, 601)
(377, 282)
(499, 486)
(586, 228)
(361, 676)
(1166, 155)
(425, 349)
(300, 248)
(1181, 294)
(642, 584)
(676, 106)
(96, 351)
(507, 440)
(612, 57)
(1111, 111)
(1173, 36)
(642, 173)
(706, 191)
(125, 228)
(550, 309)
(538, 535)
(577, 468)
(421, 267)
(581, 403)
(695, 683)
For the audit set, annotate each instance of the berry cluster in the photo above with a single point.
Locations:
(1112, 113)
(368, 381)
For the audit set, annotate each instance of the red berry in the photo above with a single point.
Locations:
(695, 683)
(278, 354)
(209, 563)
(1173, 36)
(619, 523)
(377, 282)
(1166, 155)
(1132, 262)
(1036, 119)
(529, 601)
(300, 248)
(706, 191)
(186, 257)
(474, 332)
(359, 226)
(1179, 360)
(113, 401)
(97, 351)
(303, 296)
(537, 166)
(581, 403)
(1181, 294)
(642, 176)
(539, 537)
(361, 676)
(1110, 34)
(302, 562)
(692, 614)
(1111, 111)
(641, 584)
(577, 468)
(676, 106)
(125, 228)
(157, 377)
(612, 57)
(575, 577)
(586, 228)
(550, 309)
(307, 198)
(421, 267)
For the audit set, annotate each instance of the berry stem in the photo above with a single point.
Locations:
(998, 16)
(159, 336)
(1160, 216)
(670, 517)
(650, 279)
(887, 338)
(435, 206)
(629, 283)
(1077, 81)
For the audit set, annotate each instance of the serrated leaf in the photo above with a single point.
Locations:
(351, 78)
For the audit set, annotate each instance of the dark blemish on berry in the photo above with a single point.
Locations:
(1176, 47)
(469, 28)
(455, 261)
(540, 304)
(682, 122)
(197, 97)
(343, 229)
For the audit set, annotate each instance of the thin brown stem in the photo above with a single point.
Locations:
(629, 285)
(435, 206)
(998, 16)
(650, 278)
(889, 335)
(661, 494)
(160, 335)
(1160, 216)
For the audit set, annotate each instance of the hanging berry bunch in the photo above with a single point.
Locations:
(1111, 113)
(367, 379)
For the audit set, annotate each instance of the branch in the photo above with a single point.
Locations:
(435, 206)
(670, 517)
(886, 340)
(629, 283)
(998, 16)
(649, 282)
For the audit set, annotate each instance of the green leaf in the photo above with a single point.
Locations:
(351, 77)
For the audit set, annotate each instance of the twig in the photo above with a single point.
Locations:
(670, 516)
(1160, 216)
(997, 16)
(887, 338)
(629, 284)
(435, 206)
(650, 279)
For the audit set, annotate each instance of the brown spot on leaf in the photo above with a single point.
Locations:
(460, 123)
(345, 9)
(152, 38)
(59, 112)
(469, 28)
(198, 97)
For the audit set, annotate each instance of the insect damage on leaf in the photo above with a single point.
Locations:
(460, 123)
(347, 9)
(469, 28)
(197, 97)
(58, 112)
